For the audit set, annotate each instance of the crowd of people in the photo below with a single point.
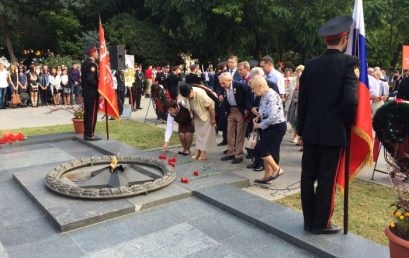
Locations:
(38, 85)
(236, 99)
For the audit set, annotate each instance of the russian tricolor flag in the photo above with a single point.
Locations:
(361, 146)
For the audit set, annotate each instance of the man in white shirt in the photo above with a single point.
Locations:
(378, 91)
(271, 74)
(3, 85)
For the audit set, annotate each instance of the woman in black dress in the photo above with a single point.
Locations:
(178, 113)
(33, 83)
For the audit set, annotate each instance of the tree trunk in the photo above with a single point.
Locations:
(9, 46)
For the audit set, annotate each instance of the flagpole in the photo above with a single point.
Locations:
(346, 184)
(106, 119)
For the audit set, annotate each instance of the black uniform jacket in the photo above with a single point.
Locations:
(241, 94)
(403, 91)
(171, 84)
(328, 98)
(193, 78)
(89, 78)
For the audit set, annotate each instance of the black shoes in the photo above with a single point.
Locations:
(256, 167)
(225, 158)
(253, 165)
(331, 229)
(237, 160)
(259, 168)
(93, 138)
(222, 143)
(271, 178)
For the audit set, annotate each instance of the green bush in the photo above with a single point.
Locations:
(54, 61)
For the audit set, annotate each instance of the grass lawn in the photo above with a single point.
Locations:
(368, 209)
(139, 135)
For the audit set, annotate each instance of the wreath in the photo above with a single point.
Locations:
(391, 124)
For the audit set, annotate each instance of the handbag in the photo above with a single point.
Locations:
(15, 99)
(251, 140)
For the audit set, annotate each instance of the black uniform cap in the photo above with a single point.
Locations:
(90, 49)
(335, 26)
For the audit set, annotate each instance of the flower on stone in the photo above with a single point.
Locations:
(401, 217)
(392, 225)
(398, 213)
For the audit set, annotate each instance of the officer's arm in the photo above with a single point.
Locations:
(349, 100)
(302, 104)
(91, 76)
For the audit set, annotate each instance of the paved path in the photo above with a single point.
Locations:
(291, 157)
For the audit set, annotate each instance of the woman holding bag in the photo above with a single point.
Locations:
(272, 127)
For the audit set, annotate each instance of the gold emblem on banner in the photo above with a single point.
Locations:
(92, 69)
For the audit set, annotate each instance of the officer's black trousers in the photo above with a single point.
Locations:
(90, 116)
(319, 163)
(120, 99)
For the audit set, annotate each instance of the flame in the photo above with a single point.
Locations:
(113, 163)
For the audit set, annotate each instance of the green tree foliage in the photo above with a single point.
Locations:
(65, 27)
(142, 39)
(156, 31)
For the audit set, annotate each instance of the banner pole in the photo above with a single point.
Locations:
(346, 186)
(106, 119)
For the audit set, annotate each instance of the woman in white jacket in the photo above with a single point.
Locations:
(55, 85)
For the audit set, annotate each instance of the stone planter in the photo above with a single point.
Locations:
(398, 247)
(78, 125)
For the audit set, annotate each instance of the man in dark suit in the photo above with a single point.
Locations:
(161, 76)
(403, 91)
(171, 83)
(232, 62)
(327, 107)
(135, 92)
(120, 90)
(193, 76)
(89, 78)
(237, 103)
(221, 113)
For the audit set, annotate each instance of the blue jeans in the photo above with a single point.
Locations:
(3, 97)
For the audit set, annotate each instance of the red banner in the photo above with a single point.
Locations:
(405, 58)
(107, 100)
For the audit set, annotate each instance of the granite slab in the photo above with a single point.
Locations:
(288, 224)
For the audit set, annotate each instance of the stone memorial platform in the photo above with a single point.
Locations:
(211, 216)
(32, 160)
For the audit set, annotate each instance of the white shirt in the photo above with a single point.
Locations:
(377, 87)
(55, 82)
(276, 77)
(64, 79)
(169, 127)
(4, 75)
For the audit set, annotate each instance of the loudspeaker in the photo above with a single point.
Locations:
(117, 57)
